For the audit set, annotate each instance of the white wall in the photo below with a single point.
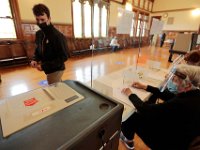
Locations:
(183, 20)
(60, 10)
(160, 5)
(113, 13)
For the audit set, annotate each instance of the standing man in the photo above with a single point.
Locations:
(162, 39)
(51, 48)
(151, 39)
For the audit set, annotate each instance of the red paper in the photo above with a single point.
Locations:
(30, 102)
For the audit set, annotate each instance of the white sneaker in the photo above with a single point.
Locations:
(128, 143)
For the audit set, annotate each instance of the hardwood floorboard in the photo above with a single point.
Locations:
(16, 80)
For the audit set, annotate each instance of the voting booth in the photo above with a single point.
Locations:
(183, 44)
(65, 115)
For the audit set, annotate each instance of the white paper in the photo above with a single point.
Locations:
(154, 65)
(142, 94)
(122, 97)
(156, 27)
(124, 21)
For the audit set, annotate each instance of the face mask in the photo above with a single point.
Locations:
(43, 25)
(172, 87)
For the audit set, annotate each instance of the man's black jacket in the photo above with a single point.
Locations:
(51, 49)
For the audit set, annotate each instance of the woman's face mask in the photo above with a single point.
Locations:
(172, 87)
(177, 85)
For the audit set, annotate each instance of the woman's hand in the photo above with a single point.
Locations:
(127, 91)
(139, 85)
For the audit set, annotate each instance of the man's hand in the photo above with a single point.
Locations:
(127, 91)
(34, 64)
(39, 67)
(139, 85)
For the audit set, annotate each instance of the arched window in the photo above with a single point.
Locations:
(129, 7)
(77, 18)
(104, 22)
(96, 22)
(142, 29)
(82, 18)
(87, 19)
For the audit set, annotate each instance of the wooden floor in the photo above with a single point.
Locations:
(16, 80)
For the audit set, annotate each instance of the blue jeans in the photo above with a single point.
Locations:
(114, 48)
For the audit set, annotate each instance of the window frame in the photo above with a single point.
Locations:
(146, 3)
(142, 20)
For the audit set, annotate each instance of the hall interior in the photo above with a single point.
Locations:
(84, 64)
(20, 79)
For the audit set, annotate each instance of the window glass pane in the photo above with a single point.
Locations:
(138, 28)
(5, 9)
(7, 28)
(104, 22)
(150, 6)
(146, 4)
(143, 32)
(141, 3)
(135, 23)
(146, 18)
(96, 20)
(132, 25)
(131, 33)
(87, 19)
(128, 6)
(143, 28)
(77, 18)
(136, 2)
(140, 16)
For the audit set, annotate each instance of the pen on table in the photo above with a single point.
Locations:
(48, 94)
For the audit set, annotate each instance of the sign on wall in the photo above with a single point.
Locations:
(30, 28)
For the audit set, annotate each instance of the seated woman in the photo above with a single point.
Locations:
(171, 125)
(191, 58)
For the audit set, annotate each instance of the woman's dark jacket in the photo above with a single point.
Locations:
(176, 121)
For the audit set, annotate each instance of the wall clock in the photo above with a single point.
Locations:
(165, 15)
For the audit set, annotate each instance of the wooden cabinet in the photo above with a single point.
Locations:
(5, 53)
(12, 53)
(30, 49)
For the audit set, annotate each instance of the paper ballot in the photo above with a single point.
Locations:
(25, 109)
